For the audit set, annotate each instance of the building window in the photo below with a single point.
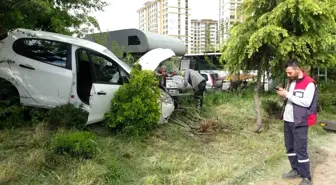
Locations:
(133, 40)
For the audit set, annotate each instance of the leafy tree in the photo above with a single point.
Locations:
(61, 16)
(276, 30)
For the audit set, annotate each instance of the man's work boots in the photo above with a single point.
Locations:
(291, 175)
(305, 181)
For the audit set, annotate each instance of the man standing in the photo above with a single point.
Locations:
(198, 82)
(300, 113)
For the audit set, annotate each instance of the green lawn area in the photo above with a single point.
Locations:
(178, 153)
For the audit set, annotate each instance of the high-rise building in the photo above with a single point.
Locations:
(167, 17)
(228, 15)
(203, 36)
(149, 17)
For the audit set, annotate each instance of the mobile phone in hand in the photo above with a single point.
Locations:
(277, 88)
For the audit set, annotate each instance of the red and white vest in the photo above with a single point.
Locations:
(304, 116)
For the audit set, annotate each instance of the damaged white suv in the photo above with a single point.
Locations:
(47, 69)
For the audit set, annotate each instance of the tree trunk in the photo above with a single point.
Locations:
(257, 108)
(263, 83)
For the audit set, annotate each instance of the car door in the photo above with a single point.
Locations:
(108, 77)
(43, 67)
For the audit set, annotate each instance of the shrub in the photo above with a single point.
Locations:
(16, 116)
(135, 108)
(37, 115)
(11, 117)
(67, 116)
(272, 108)
(327, 102)
(329, 86)
(326, 96)
(76, 144)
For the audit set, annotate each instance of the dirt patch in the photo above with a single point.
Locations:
(323, 162)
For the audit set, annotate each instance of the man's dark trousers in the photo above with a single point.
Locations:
(199, 94)
(296, 140)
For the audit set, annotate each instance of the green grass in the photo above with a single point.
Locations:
(226, 152)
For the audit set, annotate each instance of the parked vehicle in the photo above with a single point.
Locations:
(175, 84)
(210, 78)
(47, 69)
(226, 84)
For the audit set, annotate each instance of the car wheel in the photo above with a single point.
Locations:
(8, 94)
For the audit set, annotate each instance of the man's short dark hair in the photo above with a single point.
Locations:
(293, 63)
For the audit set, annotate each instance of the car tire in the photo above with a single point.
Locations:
(9, 95)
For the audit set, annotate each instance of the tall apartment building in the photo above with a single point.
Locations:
(166, 17)
(228, 15)
(203, 36)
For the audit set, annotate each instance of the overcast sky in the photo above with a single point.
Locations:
(123, 14)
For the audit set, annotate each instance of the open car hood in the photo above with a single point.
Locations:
(152, 59)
